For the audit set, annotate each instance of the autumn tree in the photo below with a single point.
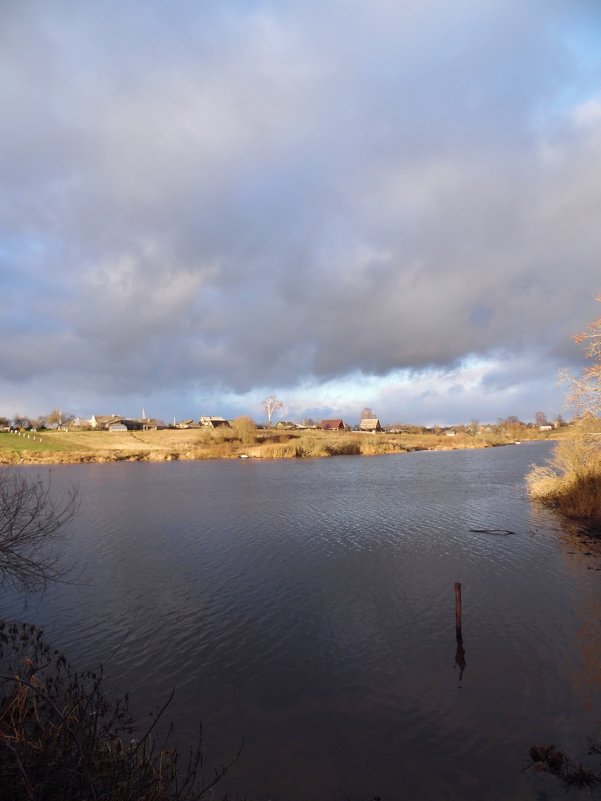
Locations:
(270, 405)
(584, 392)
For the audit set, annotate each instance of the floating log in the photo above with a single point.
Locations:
(504, 532)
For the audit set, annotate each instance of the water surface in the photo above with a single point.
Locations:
(307, 607)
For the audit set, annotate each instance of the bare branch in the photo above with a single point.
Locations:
(584, 392)
(31, 523)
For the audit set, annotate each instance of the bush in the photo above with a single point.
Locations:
(245, 429)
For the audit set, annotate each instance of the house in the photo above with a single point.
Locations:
(151, 424)
(114, 422)
(286, 424)
(332, 425)
(118, 426)
(215, 422)
(371, 424)
(103, 421)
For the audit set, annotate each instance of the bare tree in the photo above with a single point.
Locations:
(31, 522)
(584, 392)
(270, 405)
(367, 414)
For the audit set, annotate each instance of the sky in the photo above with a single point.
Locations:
(386, 204)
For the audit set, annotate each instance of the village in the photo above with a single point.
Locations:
(61, 438)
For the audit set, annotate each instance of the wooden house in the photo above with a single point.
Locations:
(370, 424)
(332, 425)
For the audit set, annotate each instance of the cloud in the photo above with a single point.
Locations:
(217, 200)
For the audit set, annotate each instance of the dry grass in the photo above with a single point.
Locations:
(571, 481)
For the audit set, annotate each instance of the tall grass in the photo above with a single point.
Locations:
(571, 480)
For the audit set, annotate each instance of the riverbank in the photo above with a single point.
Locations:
(70, 447)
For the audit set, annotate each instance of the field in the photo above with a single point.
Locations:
(105, 446)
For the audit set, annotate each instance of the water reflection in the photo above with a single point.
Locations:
(460, 659)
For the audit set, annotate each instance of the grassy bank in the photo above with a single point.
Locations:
(54, 447)
(571, 480)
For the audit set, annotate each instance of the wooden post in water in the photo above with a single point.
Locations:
(458, 611)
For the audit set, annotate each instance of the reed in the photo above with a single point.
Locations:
(571, 480)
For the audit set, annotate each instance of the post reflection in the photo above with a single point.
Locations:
(460, 659)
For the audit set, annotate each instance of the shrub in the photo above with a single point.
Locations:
(246, 430)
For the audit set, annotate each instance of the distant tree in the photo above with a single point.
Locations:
(4, 422)
(584, 392)
(270, 405)
(367, 414)
(54, 418)
(58, 418)
(540, 419)
(309, 422)
(20, 421)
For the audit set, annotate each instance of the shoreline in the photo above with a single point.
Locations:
(52, 448)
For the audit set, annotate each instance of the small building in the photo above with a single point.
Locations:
(370, 424)
(114, 422)
(103, 421)
(215, 422)
(286, 424)
(120, 426)
(152, 424)
(332, 425)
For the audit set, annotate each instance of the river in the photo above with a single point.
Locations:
(306, 606)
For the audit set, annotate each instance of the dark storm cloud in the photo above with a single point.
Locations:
(246, 196)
